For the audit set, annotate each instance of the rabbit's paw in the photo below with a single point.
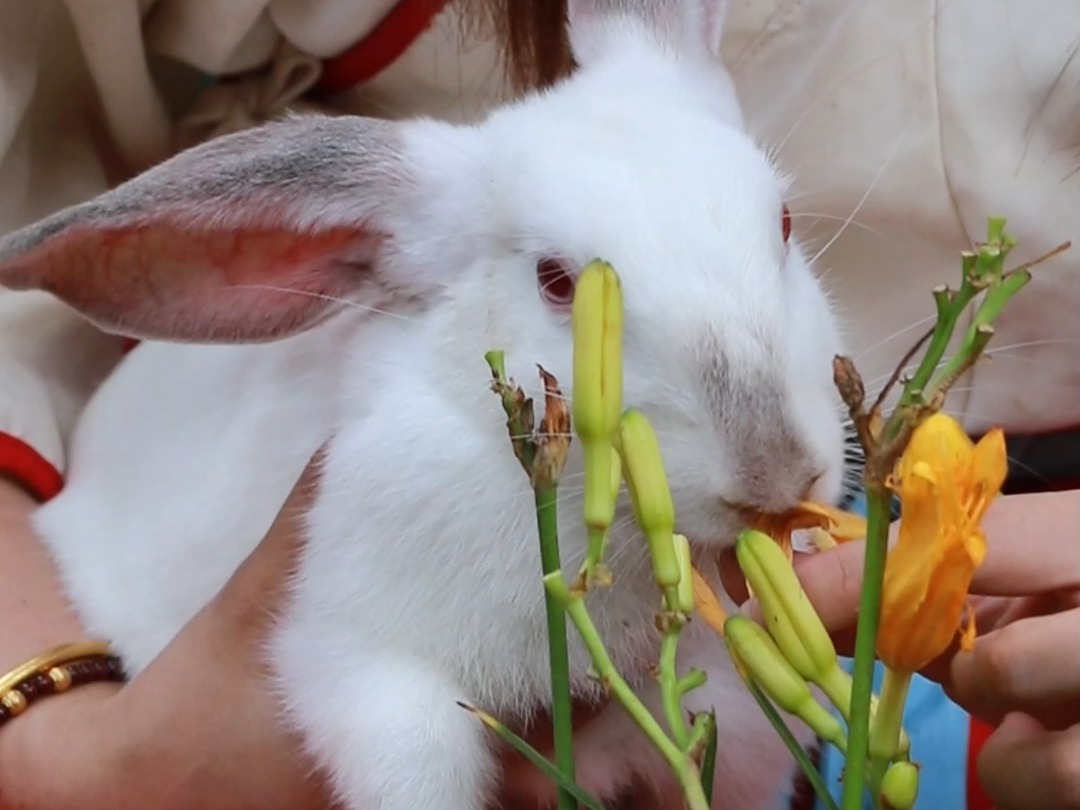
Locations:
(390, 733)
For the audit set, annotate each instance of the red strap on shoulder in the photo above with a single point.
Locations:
(390, 38)
(978, 733)
(23, 463)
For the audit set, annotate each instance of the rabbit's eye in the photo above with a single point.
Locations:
(785, 223)
(555, 281)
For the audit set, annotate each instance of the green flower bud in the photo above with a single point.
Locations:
(596, 319)
(763, 663)
(900, 785)
(790, 617)
(646, 480)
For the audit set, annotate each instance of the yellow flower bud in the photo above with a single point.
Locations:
(791, 619)
(763, 662)
(686, 575)
(643, 469)
(900, 786)
(596, 321)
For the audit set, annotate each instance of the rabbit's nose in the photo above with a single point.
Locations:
(779, 488)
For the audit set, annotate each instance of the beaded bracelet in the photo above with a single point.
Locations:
(56, 671)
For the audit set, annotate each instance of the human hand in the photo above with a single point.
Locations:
(199, 728)
(1024, 672)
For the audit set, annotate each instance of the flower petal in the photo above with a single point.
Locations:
(968, 632)
(706, 604)
(989, 466)
(840, 524)
(945, 483)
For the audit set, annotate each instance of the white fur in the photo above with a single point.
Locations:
(419, 583)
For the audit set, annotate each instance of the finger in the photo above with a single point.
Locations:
(991, 613)
(1032, 665)
(832, 581)
(1032, 545)
(1024, 767)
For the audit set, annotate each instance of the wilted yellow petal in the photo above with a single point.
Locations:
(821, 540)
(706, 603)
(968, 631)
(840, 525)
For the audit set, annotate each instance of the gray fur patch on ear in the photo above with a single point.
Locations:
(249, 237)
(303, 172)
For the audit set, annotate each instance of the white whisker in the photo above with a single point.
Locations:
(921, 322)
(866, 195)
(322, 297)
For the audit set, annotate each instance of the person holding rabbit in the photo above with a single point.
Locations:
(277, 58)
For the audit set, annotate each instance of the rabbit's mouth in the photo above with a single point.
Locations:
(825, 524)
(807, 526)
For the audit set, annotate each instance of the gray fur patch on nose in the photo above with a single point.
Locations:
(774, 467)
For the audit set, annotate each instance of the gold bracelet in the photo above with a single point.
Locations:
(56, 671)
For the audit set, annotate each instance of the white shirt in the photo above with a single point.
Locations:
(904, 123)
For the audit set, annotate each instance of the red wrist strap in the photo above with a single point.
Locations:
(979, 732)
(23, 463)
(393, 35)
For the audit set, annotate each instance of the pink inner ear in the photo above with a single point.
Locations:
(164, 282)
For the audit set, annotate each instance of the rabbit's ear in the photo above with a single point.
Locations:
(249, 237)
(682, 26)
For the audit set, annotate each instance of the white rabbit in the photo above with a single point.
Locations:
(419, 585)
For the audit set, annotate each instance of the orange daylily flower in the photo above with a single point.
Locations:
(830, 525)
(945, 483)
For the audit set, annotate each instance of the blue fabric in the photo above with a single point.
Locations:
(939, 741)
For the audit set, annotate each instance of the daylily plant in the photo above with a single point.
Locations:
(913, 597)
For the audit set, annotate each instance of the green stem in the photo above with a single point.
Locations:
(599, 505)
(837, 688)
(976, 337)
(691, 681)
(670, 693)
(878, 503)
(708, 761)
(685, 769)
(949, 310)
(885, 731)
(801, 757)
(535, 757)
(561, 717)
